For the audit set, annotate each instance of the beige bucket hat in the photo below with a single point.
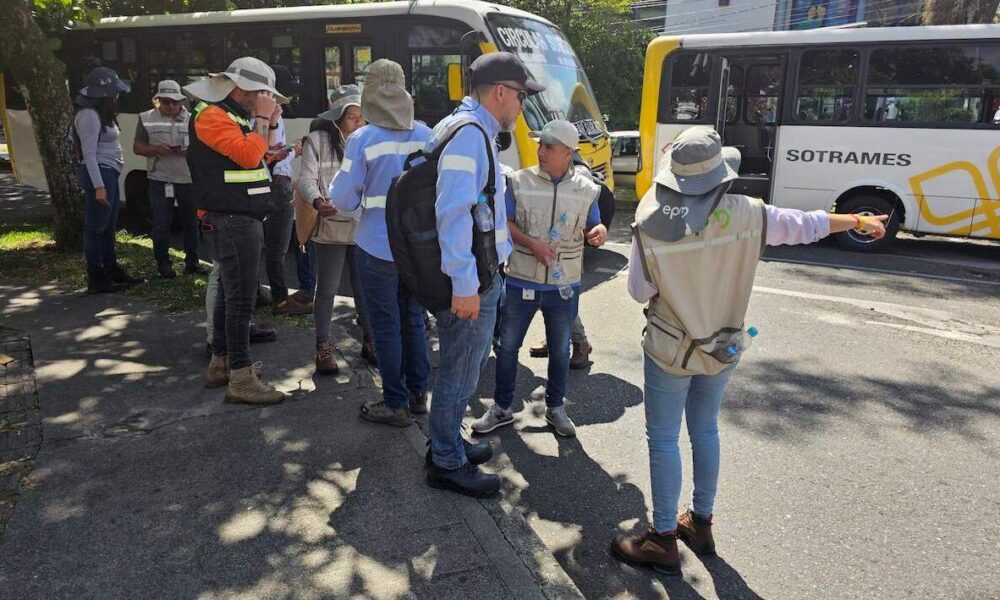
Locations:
(384, 99)
(247, 73)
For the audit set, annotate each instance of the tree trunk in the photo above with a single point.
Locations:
(41, 79)
(959, 12)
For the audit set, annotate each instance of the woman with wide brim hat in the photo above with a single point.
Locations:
(327, 235)
(695, 249)
(96, 129)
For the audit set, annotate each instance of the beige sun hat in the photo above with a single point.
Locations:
(384, 99)
(247, 73)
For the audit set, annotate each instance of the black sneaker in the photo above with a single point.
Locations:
(99, 282)
(119, 275)
(166, 270)
(418, 403)
(477, 454)
(467, 479)
(196, 268)
(261, 333)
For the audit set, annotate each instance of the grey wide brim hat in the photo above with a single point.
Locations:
(247, 73)
(697, 162)
(384, 100)
(170, 89)
(340, 99)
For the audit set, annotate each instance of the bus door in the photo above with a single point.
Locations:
(348, 49)
(752, 115)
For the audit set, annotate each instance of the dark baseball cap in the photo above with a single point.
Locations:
(502, 66)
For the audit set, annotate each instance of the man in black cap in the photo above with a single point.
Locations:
(500, 85)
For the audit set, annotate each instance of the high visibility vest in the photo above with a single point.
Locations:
(219, 183)
(704, 281)
(543, 209)
(169, 131)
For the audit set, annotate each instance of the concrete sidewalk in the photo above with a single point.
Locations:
(149, 486)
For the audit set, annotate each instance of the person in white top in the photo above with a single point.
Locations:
(694, 253)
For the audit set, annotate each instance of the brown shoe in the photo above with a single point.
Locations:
(217, 374)
(696, 532)
(418, 403)
(245, 387)
(581, 355)
(378, 411)
(326, 364)
(651, 549)
(539, 350)
(303, 297)
(292, 307)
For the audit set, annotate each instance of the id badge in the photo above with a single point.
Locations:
(168, 190)
(527, 294)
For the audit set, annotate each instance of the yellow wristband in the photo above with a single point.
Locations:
(861, 228)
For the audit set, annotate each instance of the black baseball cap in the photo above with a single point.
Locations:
(502, 66)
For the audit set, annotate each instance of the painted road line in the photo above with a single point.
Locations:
(882, 271)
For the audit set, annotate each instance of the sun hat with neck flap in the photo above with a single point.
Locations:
(689, 185)
(384, 99)
(247, 73)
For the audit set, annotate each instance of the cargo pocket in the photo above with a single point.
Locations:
(572, 264)
(663, 340)
(523, 265)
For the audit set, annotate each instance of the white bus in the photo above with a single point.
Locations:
(323, 47)
(901, 121)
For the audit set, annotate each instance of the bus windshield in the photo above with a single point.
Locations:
(551, 61)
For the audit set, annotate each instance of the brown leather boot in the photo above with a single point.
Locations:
(217, 374)
(326, 364)
(651, 549)
(246, 388)
(581, 355)
(696, 532)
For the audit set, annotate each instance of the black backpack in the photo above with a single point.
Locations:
(411, 221)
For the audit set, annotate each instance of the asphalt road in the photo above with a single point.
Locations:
(861, 434)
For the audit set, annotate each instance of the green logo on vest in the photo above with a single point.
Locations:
(721, 217)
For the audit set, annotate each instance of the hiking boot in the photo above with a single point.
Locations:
(494, 417)
(377, 411)
(166, 270)
(303, 297)
(217, 373)
(581, 355)
(696, 531)
(99, 282)
(245, 387)
(539, 350)
(196, 268)
(326, 364)
(560, 421)
(368, 350)
(261, 333)
(418, 403)
(119, 275)
(467, 479)
(651, 549)
(292, 307)
(476, 454)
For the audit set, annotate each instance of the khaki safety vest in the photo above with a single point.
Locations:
(704, 282)
(169, 132)
(540, 207)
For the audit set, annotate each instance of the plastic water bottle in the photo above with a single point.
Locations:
(741, 343)
(565, 290)
(482, 214)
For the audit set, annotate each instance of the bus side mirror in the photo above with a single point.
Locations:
(455, 90)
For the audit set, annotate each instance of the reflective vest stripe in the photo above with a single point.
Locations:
(248, 176)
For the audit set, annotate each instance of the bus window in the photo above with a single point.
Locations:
(931, 85)
(734, 94)
(361, 57)
(121, 54)
(762, 91)
(333, 69)
(690, 85)
(274, 46)
(826, 85)
(429, 85)
(184, 57)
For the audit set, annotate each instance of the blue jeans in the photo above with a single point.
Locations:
(668, 398)
(559, 315)
(163, 215)
(305, 267)
(99, 222)
(397, 324)
(465, 348)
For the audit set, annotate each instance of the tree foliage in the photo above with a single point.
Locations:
(958, 12)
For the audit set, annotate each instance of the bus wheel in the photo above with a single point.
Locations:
(868, 204)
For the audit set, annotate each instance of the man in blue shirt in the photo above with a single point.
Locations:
(500, 85)
(373, 157)
(551, 208)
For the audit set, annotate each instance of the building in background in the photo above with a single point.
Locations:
(731, 16)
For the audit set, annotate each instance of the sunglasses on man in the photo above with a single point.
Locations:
(522, 94)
